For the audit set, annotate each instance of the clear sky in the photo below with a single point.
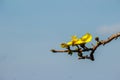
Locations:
(30, 28)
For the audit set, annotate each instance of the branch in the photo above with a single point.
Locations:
(93, 49)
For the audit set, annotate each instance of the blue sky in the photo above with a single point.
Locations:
(30, 28)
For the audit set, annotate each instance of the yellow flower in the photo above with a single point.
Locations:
(87, 37)
(84, 39)
(77, 41)
(73, 40)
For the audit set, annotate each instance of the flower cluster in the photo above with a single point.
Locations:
(75, 41)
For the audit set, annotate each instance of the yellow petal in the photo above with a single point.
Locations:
(69, 43)
(74, 40)
(74, 37)
(86, 38)
(79, 42)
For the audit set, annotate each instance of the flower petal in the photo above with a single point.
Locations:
(79, 42)
(69, 43)
(86, 38)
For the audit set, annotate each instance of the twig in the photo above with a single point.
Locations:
(93, 49)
